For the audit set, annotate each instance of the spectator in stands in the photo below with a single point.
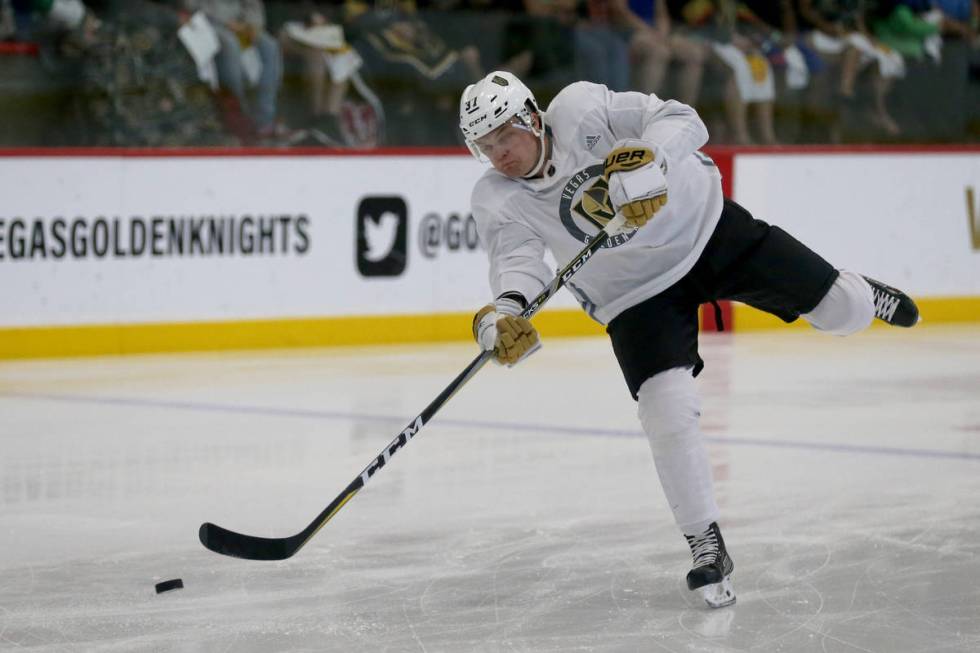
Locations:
(825, 25)
(51, 42)
(747, 77)
(752, 76)
(613, 45)
(773, 27)
(599, 52)
(145, 84)
(838, 33)
(911, 33)
(249, 56)
(602, 52)
(538, 45)
(56, 18)
(960, 19)
(662, 43)
(328, 65)
(397, 33)
(412, 67)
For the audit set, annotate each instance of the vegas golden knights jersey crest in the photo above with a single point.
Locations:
(594, 205)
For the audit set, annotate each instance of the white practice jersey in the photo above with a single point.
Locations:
(518, 218)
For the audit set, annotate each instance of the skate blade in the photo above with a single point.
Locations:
(720, 594)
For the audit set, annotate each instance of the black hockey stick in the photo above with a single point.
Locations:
(229, 543)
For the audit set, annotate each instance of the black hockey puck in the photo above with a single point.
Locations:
(168, 585)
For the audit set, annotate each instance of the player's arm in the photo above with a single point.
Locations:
(653, 133)
(517, 272)
(498, 326)
(636, 174)
(673, 128)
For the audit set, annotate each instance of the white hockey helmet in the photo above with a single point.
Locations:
(494, 101)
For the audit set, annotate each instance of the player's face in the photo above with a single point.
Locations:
(512, 149)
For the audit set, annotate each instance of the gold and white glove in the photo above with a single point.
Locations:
(500, 327)
(636, 173)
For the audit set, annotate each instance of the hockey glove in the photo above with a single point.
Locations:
(636, 173)
(499, 327)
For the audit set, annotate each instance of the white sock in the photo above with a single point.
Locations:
(669, 407)
(848, 307)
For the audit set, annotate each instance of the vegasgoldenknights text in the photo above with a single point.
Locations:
(154, 236)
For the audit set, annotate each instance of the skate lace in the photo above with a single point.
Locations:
(704, 547)
(885, 304)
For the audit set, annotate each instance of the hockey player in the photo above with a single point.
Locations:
(557, 177)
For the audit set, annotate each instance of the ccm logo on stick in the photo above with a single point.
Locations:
(386, 455)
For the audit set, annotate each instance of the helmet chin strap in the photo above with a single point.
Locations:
(542, 148)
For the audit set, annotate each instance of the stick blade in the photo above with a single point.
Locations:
(229, 543)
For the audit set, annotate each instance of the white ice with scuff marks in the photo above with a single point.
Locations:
(525, 517)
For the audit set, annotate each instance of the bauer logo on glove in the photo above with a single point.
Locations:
(626, 158)
(636, 173)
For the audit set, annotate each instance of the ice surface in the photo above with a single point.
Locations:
(525, 517)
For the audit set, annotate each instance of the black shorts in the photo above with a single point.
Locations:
(745, 260)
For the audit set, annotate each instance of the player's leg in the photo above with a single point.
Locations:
(669, 408)
(656, 345)
(668, 405)
(853, 301)
(269, 81)
(228, 62)
(780, 275)
(846, 308)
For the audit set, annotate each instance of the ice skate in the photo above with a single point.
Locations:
(892, 305)
(712, 568)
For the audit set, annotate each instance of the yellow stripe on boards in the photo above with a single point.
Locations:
(938, 310)
(109, 339)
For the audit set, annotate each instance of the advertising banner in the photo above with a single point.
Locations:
(910, 219)
(330, 247)
(99, 240)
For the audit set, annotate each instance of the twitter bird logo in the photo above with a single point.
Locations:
(382, 235)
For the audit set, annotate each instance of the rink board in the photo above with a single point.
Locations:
(140, 251)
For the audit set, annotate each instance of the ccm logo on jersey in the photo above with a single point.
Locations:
(627, 158)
